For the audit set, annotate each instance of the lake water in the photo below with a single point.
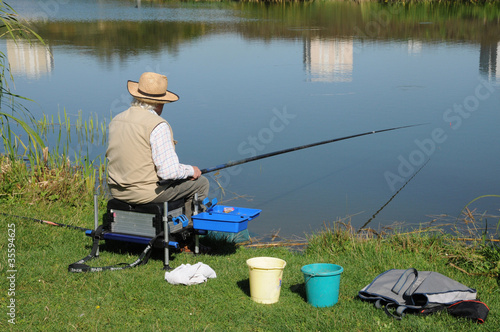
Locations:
(256, 78)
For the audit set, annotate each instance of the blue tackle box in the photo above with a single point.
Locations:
(223, 218)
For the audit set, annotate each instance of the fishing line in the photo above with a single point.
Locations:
(271, 154)
(390, 199)
(47, 222)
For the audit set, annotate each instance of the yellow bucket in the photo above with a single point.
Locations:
(265, 278)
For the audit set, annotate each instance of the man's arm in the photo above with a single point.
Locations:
(164, 156)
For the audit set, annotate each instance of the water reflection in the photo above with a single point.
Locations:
(489, 61)
(327, 31)
(29, 59)
(414, 46)
(328, 60)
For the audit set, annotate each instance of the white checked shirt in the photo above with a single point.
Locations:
(164, 156)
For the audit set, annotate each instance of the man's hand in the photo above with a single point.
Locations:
(197, 173)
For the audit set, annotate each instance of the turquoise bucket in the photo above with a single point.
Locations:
(322, 283)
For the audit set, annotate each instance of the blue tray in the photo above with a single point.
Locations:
(236, 211)
(234, 220)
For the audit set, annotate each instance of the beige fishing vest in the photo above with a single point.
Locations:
(131, 171)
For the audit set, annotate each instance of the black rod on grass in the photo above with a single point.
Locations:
(46, 222)
(271, 154)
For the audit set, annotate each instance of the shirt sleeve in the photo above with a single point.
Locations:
(164, 156)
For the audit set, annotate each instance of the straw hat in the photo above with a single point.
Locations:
(152, 88)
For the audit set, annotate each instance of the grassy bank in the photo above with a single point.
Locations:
(47, 297)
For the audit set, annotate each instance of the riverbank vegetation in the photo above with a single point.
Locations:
(35, 172)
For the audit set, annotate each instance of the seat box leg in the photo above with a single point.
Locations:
(196, 236)
(166, 235)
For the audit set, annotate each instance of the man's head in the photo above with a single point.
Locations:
(151, 89)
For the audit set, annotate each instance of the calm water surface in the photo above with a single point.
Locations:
(259, 78)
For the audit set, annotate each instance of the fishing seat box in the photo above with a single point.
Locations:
(144, 220)
(224, 219)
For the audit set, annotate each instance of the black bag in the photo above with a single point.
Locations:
(472, 309)
(424, 292)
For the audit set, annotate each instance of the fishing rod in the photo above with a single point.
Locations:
(271, 154)
(47, 222)
(392, 197)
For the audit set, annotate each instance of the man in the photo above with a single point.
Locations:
(141, 150)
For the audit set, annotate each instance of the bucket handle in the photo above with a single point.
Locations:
(311, 275)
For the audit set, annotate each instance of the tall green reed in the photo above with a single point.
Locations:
(62, 166)
(13, 27)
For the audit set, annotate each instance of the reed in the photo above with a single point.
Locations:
(13, 27)
(56, 168)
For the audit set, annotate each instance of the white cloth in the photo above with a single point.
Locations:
(188, 274)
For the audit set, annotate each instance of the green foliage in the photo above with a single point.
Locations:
(69, 184)
(53, 174)
(333, 239)
(12, 27)
(482, 259)
(12, 177)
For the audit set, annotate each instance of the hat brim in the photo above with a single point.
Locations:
(133, 89)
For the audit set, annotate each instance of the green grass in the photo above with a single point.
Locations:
(50, 298)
